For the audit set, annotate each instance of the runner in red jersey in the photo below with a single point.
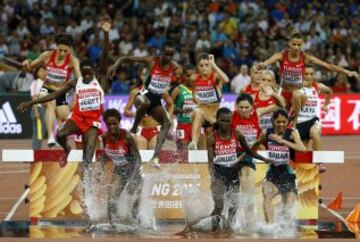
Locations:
(254, 87)
(85, 119)
(146, 137)
(162, 74)
(268, 97)
(292, 62)
(120, 148)
(207, 85)
(224, 147)
(59, 64)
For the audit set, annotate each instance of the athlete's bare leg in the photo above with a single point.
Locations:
(152, 143)
(247, 184)
(117, 186)
(315, 136)
(161, 116)
(297, 101)
(289, 202)
(142, 104)
(269, 191)
(141, 142)
(69, 128)
(198, 120)
(50, 121)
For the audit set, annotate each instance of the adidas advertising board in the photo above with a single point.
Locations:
(14, 124)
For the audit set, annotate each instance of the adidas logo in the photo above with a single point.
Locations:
(8, 122)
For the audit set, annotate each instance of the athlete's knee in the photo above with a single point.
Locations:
(61, 135)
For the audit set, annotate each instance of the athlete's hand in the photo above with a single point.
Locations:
(212, 59)
(26, 64)
(106, 24)
(260, 66)
(352, 74)
(111, 71)
(23, 106)
(269, 161)
(325, 108)
(267, 90)
(276, 138)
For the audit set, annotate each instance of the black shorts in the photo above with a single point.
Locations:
(60, 100)
(230, 175)
(154, 99)
(304, 128)
(283, 178)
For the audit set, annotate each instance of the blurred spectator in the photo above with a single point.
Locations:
(3, 46)
(119, 85)
(140, 50)
(38, 111)
(126, 46)
(341, 84)
(158, 39)
(241, 80)
(22, 82)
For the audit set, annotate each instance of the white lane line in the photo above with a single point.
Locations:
(14, 172)
(344, 198)
(17, 204)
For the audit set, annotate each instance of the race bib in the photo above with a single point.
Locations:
(159, 84)
(226, 160)
(292, 78)
(89, 103)
(206, 96)
(279, 153)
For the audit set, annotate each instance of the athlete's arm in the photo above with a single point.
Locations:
(74, 62)
(331, 67)
(218, 72)
(260, 140)
(24, 105)
(210, 147)
(328, 93)
(106, 26)
(276, 57)
(33, 64)
(249, 151)
(135, 156)
(147, 60)
(103, 157)
(195, 99)
(174, 95)
(130, 103)
(297, 145)
(269, 109)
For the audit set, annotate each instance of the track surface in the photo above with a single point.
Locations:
(339, 177)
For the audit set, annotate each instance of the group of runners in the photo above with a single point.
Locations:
(280, 118)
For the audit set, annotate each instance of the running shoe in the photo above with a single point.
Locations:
(51, 141)
(192, 146)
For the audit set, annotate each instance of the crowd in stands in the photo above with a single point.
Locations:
(237, 32)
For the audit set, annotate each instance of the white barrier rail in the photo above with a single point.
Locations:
(192, 156)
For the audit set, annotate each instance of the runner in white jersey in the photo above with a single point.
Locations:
(308, 121)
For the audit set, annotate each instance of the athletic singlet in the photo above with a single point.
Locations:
(159, 80)
(311, 108)
(89, 99)
(225, 151)
(206, 90)
(117, 151)
(58, 75)
(248, 127)
(249, 90)
(280, 153)
(292, 74)
(184, 101)
(265, 119)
